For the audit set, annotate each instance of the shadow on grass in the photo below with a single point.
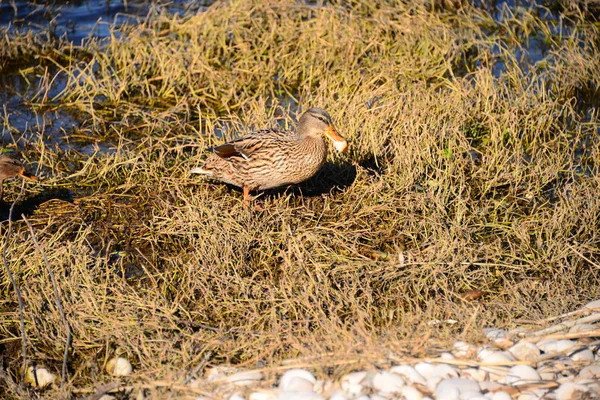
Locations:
(30, 204)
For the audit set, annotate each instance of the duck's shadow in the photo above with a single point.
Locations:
(28, 206)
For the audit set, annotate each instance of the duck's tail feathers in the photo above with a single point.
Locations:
(201, 171)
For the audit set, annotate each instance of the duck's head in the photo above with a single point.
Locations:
(316, 122)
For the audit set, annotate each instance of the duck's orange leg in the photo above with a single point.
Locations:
(246, 196)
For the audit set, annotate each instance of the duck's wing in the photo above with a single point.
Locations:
(246, 147)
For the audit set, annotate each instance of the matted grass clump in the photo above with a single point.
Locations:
(471, 168)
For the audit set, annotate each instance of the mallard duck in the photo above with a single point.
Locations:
(271, 158)
(9, 168)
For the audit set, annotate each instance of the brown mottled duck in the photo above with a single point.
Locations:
(271, 158)
(9, 168)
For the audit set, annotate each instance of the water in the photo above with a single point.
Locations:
(80, 20)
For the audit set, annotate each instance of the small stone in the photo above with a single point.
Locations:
(297, 380)
(119, 366)
(245, 378)
(582, 355)
(491, 386)
(497, 357)
(525, 351)
(520, 374)
(532, 395)
(496, 335)
(590, 372)
(452, 389)
(548, 346)
(387, 382)
(593, 305)
(409, 373)
(338, 395)
(411, 393)
(463, 349)
(298, 395)
(39, 377)
(501, 396)
(582, 328)
(476, 374)
(219, 372)
(547, 372)
(263, 395)
(353, 383)
(571, 391)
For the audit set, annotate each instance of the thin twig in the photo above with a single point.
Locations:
(102, 390)
(16, 286)
(206, 358)
(57, 299)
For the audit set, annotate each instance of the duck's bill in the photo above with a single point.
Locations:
(28, 175)
(339, 142)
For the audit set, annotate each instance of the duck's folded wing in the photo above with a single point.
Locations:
(247, 146)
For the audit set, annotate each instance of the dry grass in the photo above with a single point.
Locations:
(457, 180)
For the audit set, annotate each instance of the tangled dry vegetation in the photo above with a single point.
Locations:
(471, 168)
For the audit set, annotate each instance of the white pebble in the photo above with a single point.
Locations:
(263, 395)
(593, 305)
(565, 345)
(473, 396)
(590, 372)
(497, 357)
(219, 372)
(501, 396)
(321, 386)
(433, 382)
(237, 396)
(338, 395)
(520, 374)
(582, 355)
(119, 366)
(496, 335)
(39, 377)
(547, 372)
(409, 373)
(491, 386)
(453, 388)
(411, 393)
(447, 356)
(297, 380)
(387, 382)
(547, 345)
(445, 371)
(463, 349)
(425, 369)
(352, 383)
(428, 370)
(244, 378)
(476, 374)
(582, 328)
(570, 391)
(297, 395)
(532, 395)
(496, 373)
(525, 351)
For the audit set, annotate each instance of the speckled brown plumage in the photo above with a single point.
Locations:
(271, 158)
(9, 168)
